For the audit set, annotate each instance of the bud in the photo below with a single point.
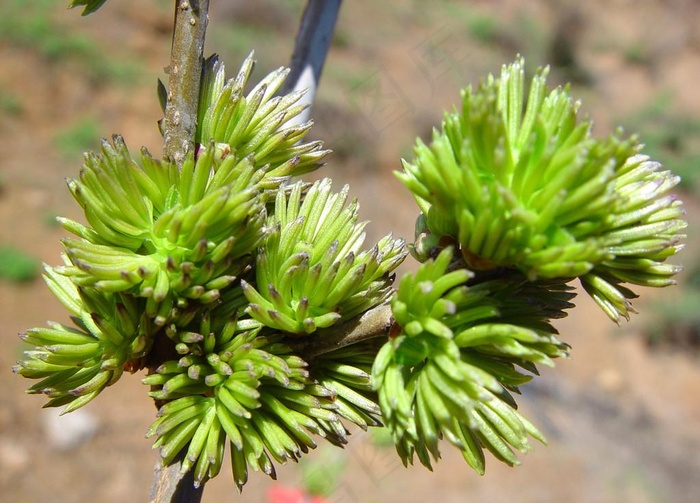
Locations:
(311, 271)
(520, 183)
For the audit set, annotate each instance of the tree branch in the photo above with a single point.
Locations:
(185, 72)
(310, 50)
(171, 486)
(374, 323)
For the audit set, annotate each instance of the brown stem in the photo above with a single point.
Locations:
(171, 486)
(185, 73)
(186, 57)
(374, 323)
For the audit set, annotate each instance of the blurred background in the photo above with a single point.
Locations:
(622, 416)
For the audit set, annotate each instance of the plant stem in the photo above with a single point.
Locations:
(171, 486)
(186, 58)
(374, 323)
(185, 72)
(310, 50)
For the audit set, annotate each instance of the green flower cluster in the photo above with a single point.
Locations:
(347, 373)
(164, 234)
(452, 367)
(217, 275)
(235, 385)
(644, 230)
(311, 272)
(165, 275)
(520, 183)
(255, 125)
(74, 364)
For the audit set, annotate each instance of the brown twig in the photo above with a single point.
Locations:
(374, 323)
(185, 72)
(170, 485)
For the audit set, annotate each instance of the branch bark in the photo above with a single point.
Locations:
(185, 73)
(179, 125)
(171, 486)
(374, 323)
(310, 50)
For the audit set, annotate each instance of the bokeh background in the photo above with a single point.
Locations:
(622, 415)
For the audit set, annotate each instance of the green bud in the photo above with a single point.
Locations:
(311, 272)
(519, 182)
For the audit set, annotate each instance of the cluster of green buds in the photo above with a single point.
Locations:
(520, 183)
(450, 369)
(311, 271)
(204, 274)
(218, 276)
(74, 364)
(164, 234)
(257, 124)
(515, 186)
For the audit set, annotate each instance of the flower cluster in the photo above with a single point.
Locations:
(203, 274)
(218, 275)
(517, 187)
(452, 367)
(311, 272)
(256, 125)
(519, 182)
(74, 364)
(160, 233)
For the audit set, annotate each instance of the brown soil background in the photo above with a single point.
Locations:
(623, 422)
